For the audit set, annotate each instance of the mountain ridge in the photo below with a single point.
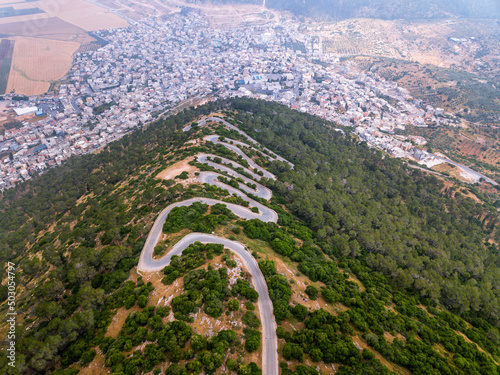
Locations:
(392, 9)
(417, 250)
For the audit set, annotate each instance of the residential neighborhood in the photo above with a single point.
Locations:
(159, 63)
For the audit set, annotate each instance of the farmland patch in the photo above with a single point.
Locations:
(38, 62)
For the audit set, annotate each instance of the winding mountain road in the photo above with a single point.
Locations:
(231, 126)
(260, 191)
(203, 158)
(146, 261)
(270, 340)
(236, 149)
(148, 264)
(250, 139)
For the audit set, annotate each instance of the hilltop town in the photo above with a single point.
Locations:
(162, 63)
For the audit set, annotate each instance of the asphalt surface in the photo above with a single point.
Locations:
(203, 158)
(146, 261)
(477, 176)
(231, 126)
(270, 340)
(425, 170)
(148, 264)
(260, 191)
(232, 147)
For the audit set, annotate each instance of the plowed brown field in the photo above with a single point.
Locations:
(82, 14)
(37, 62)
(46, 42)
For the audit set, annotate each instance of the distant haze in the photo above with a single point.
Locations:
(391, 9)
(383, 9)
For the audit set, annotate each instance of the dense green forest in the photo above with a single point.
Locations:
(402, 223)
(428, 259)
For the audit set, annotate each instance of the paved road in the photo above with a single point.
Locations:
(425, 170)
(148, 264)
(203, 158)
(231, 126)
(146, 261)
(260, 191)
(232, 147)
(242, 145)
(477, 176)
(270, 340)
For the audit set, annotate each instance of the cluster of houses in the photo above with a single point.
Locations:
(156, 64)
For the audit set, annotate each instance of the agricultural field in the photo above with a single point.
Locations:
(480, 150)
(45, 43)
(342, 45)
(20, 13)
(6, 50)
(6, 12)
(70, 21)
(219, 15)
(20, 84)
(77, 12)
(38, 62)
(235, 16)
(51, 28)
(109, 4)
(83, 14)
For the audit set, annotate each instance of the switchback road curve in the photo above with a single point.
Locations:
(232, 127)
(148, 264)
(270, 340)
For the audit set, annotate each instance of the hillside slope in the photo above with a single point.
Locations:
(371, 267)
(393, 9)
(381, 9)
